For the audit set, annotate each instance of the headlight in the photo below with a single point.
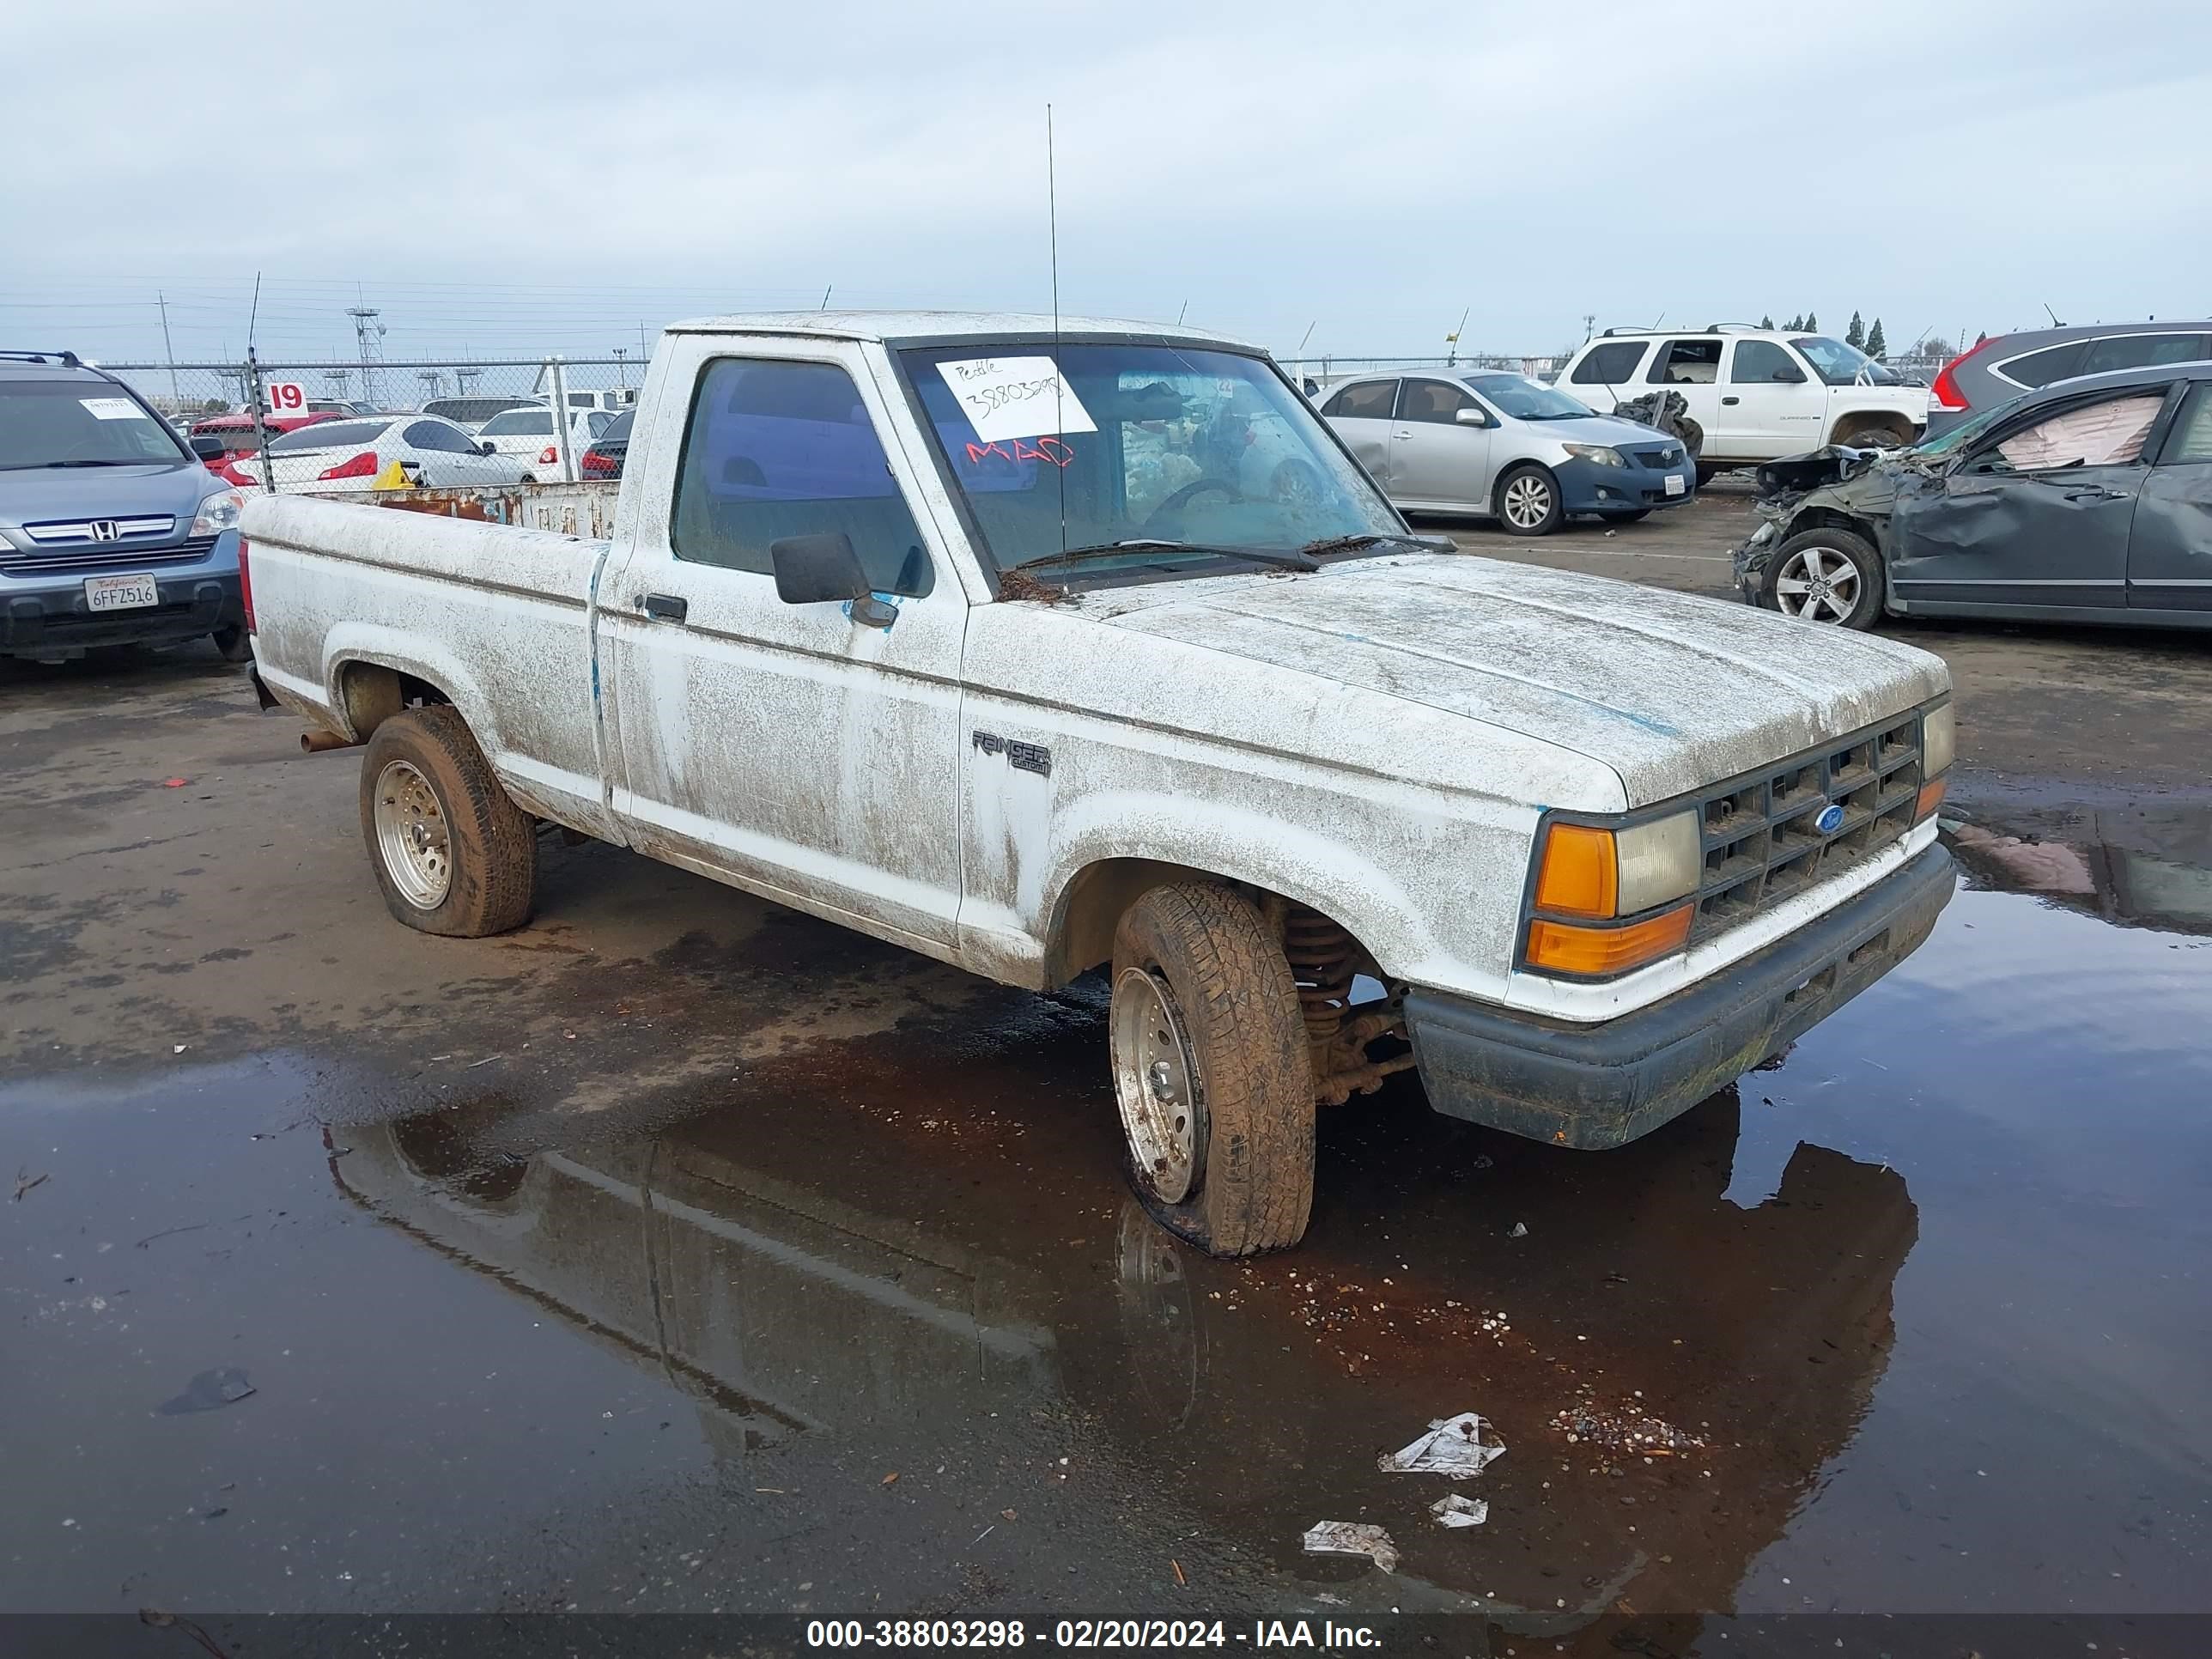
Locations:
(1939, 741)
(1939, 746)
(1597, 454)
(218, 512)
(1606, 875)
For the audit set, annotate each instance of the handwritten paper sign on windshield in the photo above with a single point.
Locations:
(1015, 397)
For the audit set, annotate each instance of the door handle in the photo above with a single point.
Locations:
(2096, 493)
(668, 607)
(1731, 400)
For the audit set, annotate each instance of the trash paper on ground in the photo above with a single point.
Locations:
(1352, 1538)
(1452, 1510)
(1453, 1446)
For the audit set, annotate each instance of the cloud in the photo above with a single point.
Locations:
(533, 180)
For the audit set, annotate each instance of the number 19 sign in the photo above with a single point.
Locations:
(286, 397)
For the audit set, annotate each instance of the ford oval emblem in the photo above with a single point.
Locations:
(1830, 820)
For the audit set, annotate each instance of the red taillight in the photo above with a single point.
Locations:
(1945, 393)
(548, 455)
(245, 585)
(362, 466)
(593, 465)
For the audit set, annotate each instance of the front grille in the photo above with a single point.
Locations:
(101, 532)
(1660, 459)
(1760, 846)
(105, 556)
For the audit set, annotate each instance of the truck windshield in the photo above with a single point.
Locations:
(1189, 454)
(1839, 364)
(81, 422)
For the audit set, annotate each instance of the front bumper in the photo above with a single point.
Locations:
(1586, 486)
(53, 619)
(1596, 1086)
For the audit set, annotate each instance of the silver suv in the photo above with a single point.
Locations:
(1754, 394)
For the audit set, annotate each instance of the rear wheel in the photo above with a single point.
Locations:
(1529, 502)
(1212, 1072)
(1826, 575)
(453, 853)
(1877, 434)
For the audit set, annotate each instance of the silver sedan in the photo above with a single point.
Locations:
(1498, 444)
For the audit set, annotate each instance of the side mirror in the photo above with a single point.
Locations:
(208, 447)
(486, 446)
(1471, 417)
(825, 570)
(1790, 374)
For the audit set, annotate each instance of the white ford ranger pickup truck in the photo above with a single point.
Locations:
(1046, 648)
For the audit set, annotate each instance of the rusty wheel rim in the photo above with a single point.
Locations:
(411, 835)
(1156, 1086)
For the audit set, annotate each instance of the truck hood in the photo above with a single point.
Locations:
(1671, 691)
(34, 495)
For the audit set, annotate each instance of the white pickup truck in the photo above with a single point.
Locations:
(1044, 649)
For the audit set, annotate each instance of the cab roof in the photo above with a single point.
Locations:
(906, 328)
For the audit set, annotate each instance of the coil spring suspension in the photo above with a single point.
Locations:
(1322, 957)
(1323, 960)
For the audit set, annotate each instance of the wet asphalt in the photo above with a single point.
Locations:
(682, 1254)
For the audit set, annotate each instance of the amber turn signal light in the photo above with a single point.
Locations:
(1580, 876)
(1567, 949)
(1931, 797)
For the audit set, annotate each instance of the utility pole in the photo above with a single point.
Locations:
(644, 351)
(176, 397)
(362, 317)
(1590, 323)
(621, 370)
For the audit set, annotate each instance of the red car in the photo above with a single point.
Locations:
(236, 434)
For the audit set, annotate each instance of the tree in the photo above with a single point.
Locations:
(1812, 323)
(1876, 347)
(1934, 348)
(1766, 322)
(1855, 335)
(1795, 323)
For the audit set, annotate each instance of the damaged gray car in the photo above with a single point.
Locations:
(2087, 500)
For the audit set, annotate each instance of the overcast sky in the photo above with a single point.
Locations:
(532, 177)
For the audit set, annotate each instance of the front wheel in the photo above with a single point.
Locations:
(1529, 502)
(452, 851)
(1825, 575)
(1212, 1074)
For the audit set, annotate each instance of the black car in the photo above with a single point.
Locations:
(2088, 501)
(604, 460)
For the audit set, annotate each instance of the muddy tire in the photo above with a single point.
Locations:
(1212, 1073)
(1527, 501)
(1825, 575)
(453, 853)
(235, 644)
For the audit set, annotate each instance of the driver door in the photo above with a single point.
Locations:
(1438, 459)
(1769, 403)
(2037, 514)
(789, 749)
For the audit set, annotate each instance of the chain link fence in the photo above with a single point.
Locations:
(334, 428)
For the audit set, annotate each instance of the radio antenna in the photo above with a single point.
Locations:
(1059, 374)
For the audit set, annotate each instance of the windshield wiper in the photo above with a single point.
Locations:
(1298, 561)
(50, 464)
(1364, 538)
